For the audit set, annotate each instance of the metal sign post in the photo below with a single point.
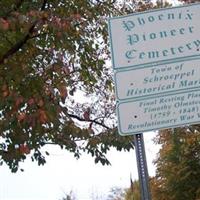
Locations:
(142, 166)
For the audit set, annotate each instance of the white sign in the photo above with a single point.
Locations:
(157, 80)
(155, 36)
(159, 112)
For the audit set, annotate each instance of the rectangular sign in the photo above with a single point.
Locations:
(159, 113)
(157, 80)
(156, 36)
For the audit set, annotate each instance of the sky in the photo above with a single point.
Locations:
(63, 173)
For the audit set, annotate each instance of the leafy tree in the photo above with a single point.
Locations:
(50, 51)
(178, 165)
(52, 54)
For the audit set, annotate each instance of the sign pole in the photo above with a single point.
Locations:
(142, 166)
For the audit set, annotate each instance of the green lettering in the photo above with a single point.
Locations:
(153, 54)
(181, 49)
(173, 32)
(141, 55)
(165, 52)
(181, 31)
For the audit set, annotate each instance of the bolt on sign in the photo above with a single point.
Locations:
(155, 36)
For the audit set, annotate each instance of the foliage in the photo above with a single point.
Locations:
(116, 194)
(54, 53)
(178, 165)
(70, 196)
(133, 193)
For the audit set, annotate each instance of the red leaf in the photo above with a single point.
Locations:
(40, 103)
(24, 149)
(18, 101)
(4, 24)
(86, 115)
(42, 116)
(63, 93)
(5, 93)
(31, 101)
(66, 70)
(21, 117)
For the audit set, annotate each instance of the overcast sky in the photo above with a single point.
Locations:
(64, 173)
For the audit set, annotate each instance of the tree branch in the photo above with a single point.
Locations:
(18, 45)
(37, 35)
(83, 120)
(28, 36)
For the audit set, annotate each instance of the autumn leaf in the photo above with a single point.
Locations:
(24, 149)
(51, 51)
(63, 93)
(40, 103)
(59, 34)
(5, 90)
(76, 16)
(5, 93)
(4, 87)
(21, 116)
(31, 101)
(42, 116)
(18, 101)
(86, 115)
(66, 70)
(4, 24)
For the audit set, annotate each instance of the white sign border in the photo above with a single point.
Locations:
(151, 129)
(150, 95)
